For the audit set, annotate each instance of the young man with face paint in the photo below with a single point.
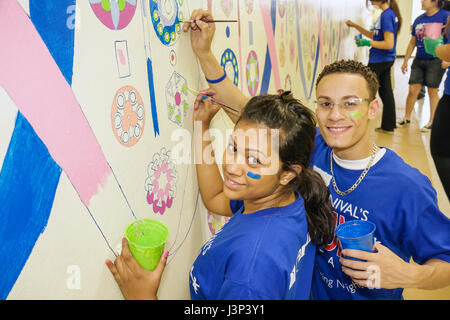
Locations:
(366, 182)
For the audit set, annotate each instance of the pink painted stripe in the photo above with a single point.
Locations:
(267, 19)
(34, 82)
(240, 44)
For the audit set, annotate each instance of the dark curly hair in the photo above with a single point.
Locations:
(355, 67)
(297, 127)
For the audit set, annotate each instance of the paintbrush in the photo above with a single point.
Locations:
(209, 21)
(212, 98)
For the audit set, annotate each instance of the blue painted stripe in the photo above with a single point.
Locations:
(28, 183)
(268, 64)
(29, 176)
(266, 73)
(300, 58)
(299, 46)
(151, 86)
(55, 22)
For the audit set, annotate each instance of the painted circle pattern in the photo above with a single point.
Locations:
(166, 17)
(114, 14)
(252, 73)
(230, 64)
(128, 116)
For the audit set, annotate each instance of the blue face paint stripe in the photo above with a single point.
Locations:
(253, 175)
(28, 181)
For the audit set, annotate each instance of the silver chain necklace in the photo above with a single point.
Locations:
(361, 177)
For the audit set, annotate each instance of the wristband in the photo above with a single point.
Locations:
(217, 80)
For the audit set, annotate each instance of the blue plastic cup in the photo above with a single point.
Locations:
(357, 235)
(359, 36)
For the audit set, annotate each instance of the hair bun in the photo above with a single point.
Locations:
(286, 96)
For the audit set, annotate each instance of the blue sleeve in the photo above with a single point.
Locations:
(388, 23)
(235, 290)
(318, 139)
(413, 29)
(235, 205)
(446, 14)
(428, 235)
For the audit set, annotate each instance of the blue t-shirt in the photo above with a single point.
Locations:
(422, 27)
(263, 255)
(447, 84)
(402, 204)
(447, 79)
(387, 22)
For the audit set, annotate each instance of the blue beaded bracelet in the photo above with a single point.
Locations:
(218, 80)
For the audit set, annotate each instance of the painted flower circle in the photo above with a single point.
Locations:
(161, 182)
(114, 14)
(227, 6)
(166, 16)
(229, 63)
(215, 221)
(177, 98)
(128, 116)
(252, 73)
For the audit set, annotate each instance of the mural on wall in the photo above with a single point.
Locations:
(128, 116)
(116, 15)
(89, 111)
(161, 182)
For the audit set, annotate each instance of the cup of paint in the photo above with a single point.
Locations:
(146, 240)
(359, 36)
(357, 235)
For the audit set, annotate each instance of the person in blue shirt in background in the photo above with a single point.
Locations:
(426, 69)
(440, 131)
(366, 182)
(279, 206)
(382, 56)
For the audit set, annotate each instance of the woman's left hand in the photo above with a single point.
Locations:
(381, 269)
(135, 282)
(204, 108)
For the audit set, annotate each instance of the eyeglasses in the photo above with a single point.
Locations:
(349, 104)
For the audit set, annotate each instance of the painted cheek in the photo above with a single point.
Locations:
(253, 175)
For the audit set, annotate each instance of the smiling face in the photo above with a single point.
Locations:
(346, 128)
(247, 159)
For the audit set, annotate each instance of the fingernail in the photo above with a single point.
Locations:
(108, 263)
(166, 254)
(123, 239)
(195, 106)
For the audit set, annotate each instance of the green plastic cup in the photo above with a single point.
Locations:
(146, 240)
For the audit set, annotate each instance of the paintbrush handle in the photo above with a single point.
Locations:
(222, 104)
(210, 21)
(212, 99)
